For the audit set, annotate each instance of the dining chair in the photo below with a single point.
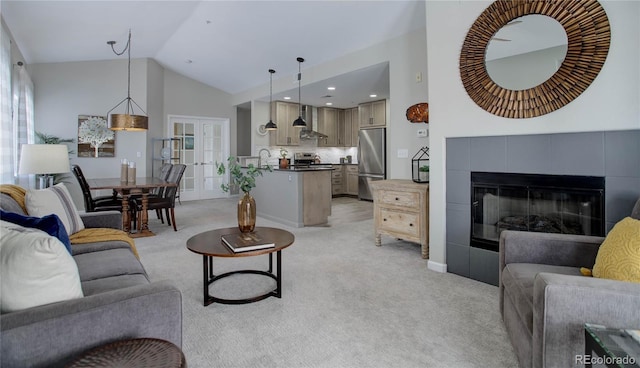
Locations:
(164, 175)
(96, 204)
(154, 192)
(167, 200)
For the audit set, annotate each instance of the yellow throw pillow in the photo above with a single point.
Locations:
(619, 255)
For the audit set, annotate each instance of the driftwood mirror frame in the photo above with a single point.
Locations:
(588, 36)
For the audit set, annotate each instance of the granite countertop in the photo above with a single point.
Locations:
(305, 168)
(314, 167)
(335, 164)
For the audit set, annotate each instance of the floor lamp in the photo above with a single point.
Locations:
(45, 160)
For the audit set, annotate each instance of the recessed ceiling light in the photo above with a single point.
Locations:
(331, 88)
(329, 103)
(372, 95)
(287, 98)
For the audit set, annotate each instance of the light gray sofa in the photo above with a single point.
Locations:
(545, 301)
(119, 302)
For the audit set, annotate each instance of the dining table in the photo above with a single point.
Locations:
(142, 186)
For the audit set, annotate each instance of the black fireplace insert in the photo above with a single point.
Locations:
(565, 204)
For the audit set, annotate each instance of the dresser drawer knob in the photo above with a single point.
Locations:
(410, 224)
(384, 219)
(397, 199)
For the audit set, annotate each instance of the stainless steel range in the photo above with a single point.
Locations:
(303, 158)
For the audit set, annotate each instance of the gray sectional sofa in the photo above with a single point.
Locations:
(545, 301)
(119, 302)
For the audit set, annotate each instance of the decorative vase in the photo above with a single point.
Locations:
(284, 163)
(247, 213)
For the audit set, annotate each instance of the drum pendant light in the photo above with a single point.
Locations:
(271, 125)
(127, 121)
(299, 122)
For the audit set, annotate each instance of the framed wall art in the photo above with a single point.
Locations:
(95, 139)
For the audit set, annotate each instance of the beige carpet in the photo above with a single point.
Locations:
(345, 302)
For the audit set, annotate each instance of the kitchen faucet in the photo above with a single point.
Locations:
(260, 156)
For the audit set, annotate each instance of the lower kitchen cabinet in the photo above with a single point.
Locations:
(344, 180)
(337, 180)
(351, 180)
(294, 198)
(401, 210)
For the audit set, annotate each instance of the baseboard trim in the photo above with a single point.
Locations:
(438, 267)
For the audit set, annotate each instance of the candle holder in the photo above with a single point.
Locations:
(124, 168)
(131, 173)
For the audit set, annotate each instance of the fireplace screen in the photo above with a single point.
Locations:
(541, 203)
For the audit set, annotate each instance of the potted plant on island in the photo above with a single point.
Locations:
(284, 163)
(245, 179)
(424, 173)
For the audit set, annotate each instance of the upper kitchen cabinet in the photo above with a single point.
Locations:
(328, 125)
(340, 125)
(373, 114)
(284, 113)
(350, 127)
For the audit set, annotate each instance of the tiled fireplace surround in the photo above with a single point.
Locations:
(612, 154)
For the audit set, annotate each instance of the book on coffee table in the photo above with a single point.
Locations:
(245, 242)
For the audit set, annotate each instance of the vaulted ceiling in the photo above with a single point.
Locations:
(228, 45)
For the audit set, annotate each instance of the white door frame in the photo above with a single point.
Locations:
(226, 149)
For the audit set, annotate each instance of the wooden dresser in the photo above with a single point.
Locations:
(401, 210)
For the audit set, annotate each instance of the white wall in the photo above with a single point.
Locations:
(612, 102)
(407, 55)
(155, 106)
(259, 115)
(65, 90)
(186, 96)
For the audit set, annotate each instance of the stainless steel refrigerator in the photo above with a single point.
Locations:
(372, 160)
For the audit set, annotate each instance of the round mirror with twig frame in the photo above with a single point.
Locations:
(588, 39)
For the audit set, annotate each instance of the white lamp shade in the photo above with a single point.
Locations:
(44, 159)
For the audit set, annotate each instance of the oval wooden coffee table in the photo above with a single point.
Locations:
(210, 245)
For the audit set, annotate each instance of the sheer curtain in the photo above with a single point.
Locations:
(23, 122)
(16, 115)
(6, 128)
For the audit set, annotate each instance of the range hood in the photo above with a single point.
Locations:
(307, 133)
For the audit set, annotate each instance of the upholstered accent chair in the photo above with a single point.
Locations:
(545, 300)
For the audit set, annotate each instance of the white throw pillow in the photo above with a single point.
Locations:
(35, 269)
(55, 199)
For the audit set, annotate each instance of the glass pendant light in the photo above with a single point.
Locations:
(299, 122)
(271, 125)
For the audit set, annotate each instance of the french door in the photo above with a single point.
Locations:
(203, 142)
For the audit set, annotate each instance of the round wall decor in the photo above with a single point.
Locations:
(588, 39)
(261, 129)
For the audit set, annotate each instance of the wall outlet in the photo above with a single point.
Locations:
(139, 154)
(423, 133)
(403, 153)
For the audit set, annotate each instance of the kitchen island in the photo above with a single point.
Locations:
(296, 197)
